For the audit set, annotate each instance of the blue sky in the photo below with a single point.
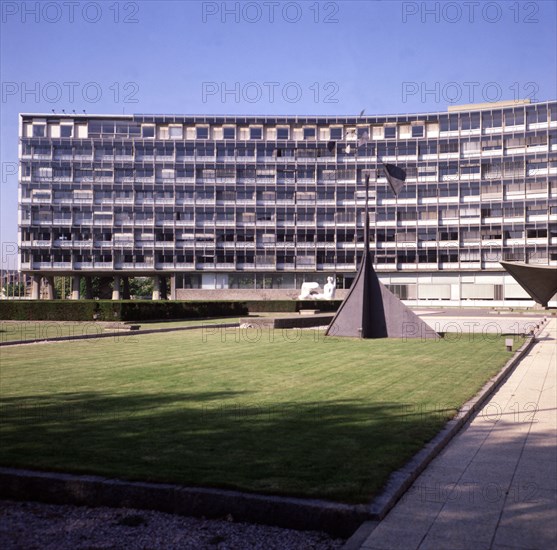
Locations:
(267, 57)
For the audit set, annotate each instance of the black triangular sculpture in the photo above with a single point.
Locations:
(539, 281)
(372, 311)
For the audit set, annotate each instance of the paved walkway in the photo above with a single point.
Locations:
(495, 485)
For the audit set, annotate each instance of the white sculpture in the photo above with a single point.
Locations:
(329, 289)
(310, 291)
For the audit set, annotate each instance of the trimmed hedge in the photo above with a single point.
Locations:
(109, 310)
(149, 311)
(59, 310)
(139, 310)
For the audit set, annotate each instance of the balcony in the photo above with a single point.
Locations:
(63, 243)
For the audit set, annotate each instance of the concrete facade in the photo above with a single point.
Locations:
(264, 203)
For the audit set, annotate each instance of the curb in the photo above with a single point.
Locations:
(118, 334)
(294, 513)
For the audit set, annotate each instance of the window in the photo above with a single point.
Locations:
(283, 133)
(470, 122)
(256, 132)
(148, 131)
(417, 131)
(492, 120)
(362, 133)
(66, 131)
(39, 130)
(448, 123)
(536, 114)
(514, 118)
(390, 132)
(229, 132)
(309, 133)
(336, 133)
(202, 132)
(536, 233)
(448, 147)
(470, 169)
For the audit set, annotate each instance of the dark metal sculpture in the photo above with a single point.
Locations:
(371, 310)
(539, 281)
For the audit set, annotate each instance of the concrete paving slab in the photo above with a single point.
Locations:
(442, 543)
(476, 528)
(504, 464)
(395, 537)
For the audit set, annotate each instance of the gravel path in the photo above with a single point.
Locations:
(35, 526)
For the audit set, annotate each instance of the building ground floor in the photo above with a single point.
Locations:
(456, 288)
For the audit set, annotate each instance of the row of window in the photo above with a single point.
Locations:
(485, 171)
(390, 130)
(426, 234)
(295, 216)
(293, 194)
(106, 152)
(332, 258)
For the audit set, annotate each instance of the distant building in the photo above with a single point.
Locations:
(253, 206)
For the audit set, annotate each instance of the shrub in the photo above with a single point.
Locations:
(117, 310)
(139, 310)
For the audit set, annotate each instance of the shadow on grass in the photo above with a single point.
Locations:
(337, 450)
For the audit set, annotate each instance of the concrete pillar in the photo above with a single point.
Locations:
(126, 291)
(88, 288)
(35, 287)
(116, 287)
(50, 288)
(156, 287)
(76, 280)
(173, 287)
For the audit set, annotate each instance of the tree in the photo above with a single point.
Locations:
(141, 287)
(62, 287)
(13, 289)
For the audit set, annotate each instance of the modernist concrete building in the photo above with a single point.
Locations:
(252, 206)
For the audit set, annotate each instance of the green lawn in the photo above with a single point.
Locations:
(31, 330)
(282, 412)
(21, 331)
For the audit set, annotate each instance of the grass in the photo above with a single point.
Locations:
(11, 331)
(281, 412)
(21, 331)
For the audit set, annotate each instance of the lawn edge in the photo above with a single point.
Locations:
(117, 334)
(87, 490)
